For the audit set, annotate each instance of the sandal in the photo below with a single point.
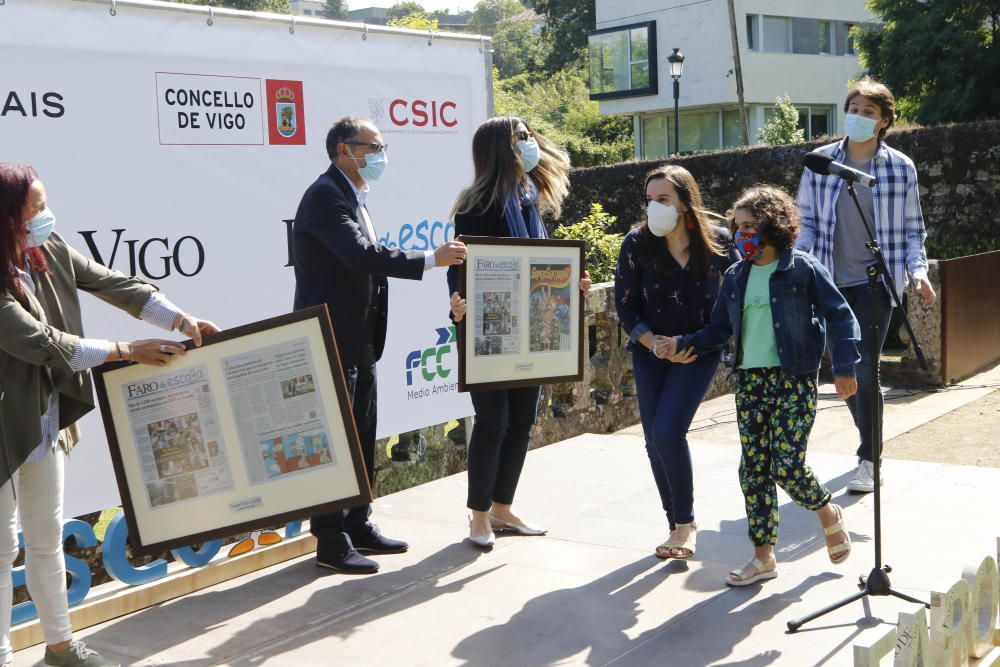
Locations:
(759, 573)
(673, 544)
(835, 551)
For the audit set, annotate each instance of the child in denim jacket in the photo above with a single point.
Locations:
(779, 303)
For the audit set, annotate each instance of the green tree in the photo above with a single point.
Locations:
(559, 106)
(783, 128)
(940, 58)
(567, 25)
(517, 50)
(489, 14)
(335, 9)
(401, 9)
(415, 21)
(277, 6)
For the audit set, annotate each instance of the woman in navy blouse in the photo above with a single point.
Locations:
(669, 271)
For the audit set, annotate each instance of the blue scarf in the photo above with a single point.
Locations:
(534, 229)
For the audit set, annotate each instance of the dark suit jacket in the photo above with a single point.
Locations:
(336, 263)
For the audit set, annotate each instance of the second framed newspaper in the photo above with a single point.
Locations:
(524, 321)
(252, 429)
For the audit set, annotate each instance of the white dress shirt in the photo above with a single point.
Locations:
(362, 196)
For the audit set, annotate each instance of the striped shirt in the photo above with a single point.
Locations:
(899, 223)
(91, 352)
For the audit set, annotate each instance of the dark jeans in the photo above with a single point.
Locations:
(333, 531)
(860, 404)
(499, 444)
(669, 394)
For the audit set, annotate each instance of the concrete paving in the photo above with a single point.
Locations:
(591, 592)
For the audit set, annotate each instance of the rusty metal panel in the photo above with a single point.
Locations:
(970, 314)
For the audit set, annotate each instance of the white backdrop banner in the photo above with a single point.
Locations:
(177, 151)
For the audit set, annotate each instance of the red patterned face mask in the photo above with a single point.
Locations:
(749, 245)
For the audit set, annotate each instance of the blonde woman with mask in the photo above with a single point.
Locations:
(519, 177)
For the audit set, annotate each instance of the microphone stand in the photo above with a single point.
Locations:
(877, 582)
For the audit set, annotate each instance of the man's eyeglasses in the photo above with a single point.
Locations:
(523, 135)
(376, 148)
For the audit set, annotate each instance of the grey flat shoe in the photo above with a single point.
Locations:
(519, 528)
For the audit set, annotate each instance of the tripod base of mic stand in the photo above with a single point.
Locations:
(876, 583)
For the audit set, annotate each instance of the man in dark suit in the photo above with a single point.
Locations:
(339, 261)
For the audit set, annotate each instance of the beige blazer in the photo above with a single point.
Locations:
(27, 347)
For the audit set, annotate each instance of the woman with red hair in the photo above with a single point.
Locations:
(45, 388)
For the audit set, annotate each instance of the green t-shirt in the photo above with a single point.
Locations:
(757, 328)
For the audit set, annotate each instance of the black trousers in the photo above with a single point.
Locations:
(499, 444)
(333, 531)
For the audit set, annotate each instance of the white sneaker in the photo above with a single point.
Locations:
(864, 478)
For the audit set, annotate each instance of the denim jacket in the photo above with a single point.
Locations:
(804, 302)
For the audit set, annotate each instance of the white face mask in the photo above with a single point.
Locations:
(858, 128)
(661, 218)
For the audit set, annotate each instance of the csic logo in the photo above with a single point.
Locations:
(376, 109)
(416, 116)
(431, 361)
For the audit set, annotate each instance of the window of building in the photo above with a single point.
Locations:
(783, 34)
(848, 40)
(814, 121)
(819, 122)
(753, 38)
(623, 61)
(825, 37)
(732, 132)
(307, 12)
(654, 137)
(777, 34)
(699, 132)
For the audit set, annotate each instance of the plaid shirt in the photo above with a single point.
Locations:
(899, 224)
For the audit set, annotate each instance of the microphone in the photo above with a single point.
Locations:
(822, 163)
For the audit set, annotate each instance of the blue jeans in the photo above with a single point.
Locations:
(860, 404)
(669, 395)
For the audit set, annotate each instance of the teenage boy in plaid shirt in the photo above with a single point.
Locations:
(832, 230)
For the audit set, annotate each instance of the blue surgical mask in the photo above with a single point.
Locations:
(750, 246)
(39, 227)
(858, 128)
(529, 154)
(375, 164)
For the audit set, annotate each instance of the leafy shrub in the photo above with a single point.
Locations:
(602, 247)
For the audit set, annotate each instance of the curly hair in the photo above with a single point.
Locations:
(774, 209)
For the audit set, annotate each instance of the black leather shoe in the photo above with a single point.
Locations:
(350, 563)
(371, 541)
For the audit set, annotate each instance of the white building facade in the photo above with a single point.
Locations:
(798, 48)
(308, 7)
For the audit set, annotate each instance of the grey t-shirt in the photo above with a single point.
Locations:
(850, 256)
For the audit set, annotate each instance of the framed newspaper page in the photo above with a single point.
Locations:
(253, 428)
(524, 322)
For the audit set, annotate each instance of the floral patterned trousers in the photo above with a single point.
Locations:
(775, 414)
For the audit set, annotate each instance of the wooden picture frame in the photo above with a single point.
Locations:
(252, 429)
(524, 322)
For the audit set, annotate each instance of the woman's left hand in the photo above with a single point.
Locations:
(585, 283)
(685, 356)
(194, 328)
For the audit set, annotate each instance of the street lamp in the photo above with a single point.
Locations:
(676, 60)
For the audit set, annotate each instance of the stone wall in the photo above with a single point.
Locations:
(603, 402)
(956, 165)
